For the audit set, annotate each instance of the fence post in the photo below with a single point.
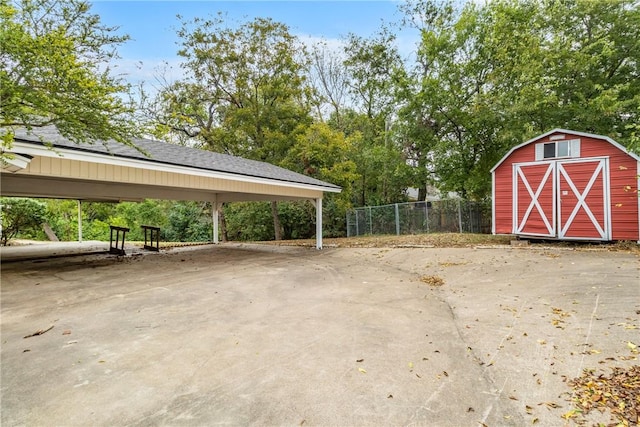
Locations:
(397, 220)
(348, 228)
(370, 222)
(357, 227)
(426, 214)
(459, 216)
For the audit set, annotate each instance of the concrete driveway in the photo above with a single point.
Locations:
(262, 335)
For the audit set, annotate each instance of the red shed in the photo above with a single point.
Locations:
(567, 185)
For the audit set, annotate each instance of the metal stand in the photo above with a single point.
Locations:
(151, 236)
(118, 248)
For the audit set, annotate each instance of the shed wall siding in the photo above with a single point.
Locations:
(623, 183)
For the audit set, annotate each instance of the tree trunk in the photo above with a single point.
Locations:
(49, 232)
(276, 220)
(422, 193)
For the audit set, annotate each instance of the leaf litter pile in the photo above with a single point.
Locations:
(432, 280)
(619, 393)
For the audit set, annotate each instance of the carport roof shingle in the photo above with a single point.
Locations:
(170, 154)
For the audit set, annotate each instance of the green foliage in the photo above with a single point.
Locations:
(62, 216)
(325, 154)
(251, 221)
(178, 221)
(298, 220)
(188, 222)
(491, 76)
(247, 221)
(245, 94)
(55, 71)
(132, 215)
(20, 217)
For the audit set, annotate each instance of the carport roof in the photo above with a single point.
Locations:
(171, 154)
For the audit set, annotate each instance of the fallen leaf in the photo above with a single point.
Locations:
(362, 370)
(570, 414)
(533, 421)
(360, 360)
(410, 365)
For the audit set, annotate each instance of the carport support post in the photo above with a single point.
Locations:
(79, 220)
(318, 204)
(215, 215)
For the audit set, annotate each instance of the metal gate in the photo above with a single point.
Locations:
(565, 199)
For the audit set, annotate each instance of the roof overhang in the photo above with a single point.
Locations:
(33, 169)
(570, 132)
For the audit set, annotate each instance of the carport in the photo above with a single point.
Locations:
(43, 163)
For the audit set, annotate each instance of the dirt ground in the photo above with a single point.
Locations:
(249, 334)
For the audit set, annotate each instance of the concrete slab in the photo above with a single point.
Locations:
(38, 250)
(261, 335)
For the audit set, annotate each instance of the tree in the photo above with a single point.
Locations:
(245, 93)
(491, 76)
(374, 67)
(56, 58)
(188, 222)
(330, 81)
(325, 154)
(20, 215)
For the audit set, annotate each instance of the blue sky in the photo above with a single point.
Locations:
(152, 24)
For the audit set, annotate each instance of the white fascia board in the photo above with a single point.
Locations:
(42, 151)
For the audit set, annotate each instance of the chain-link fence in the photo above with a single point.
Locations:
(441, 216)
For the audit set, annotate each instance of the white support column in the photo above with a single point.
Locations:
(318, 204)
(79, 220)
(215, 208)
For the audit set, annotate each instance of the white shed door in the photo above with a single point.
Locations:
(583, 199)
(534, 201)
